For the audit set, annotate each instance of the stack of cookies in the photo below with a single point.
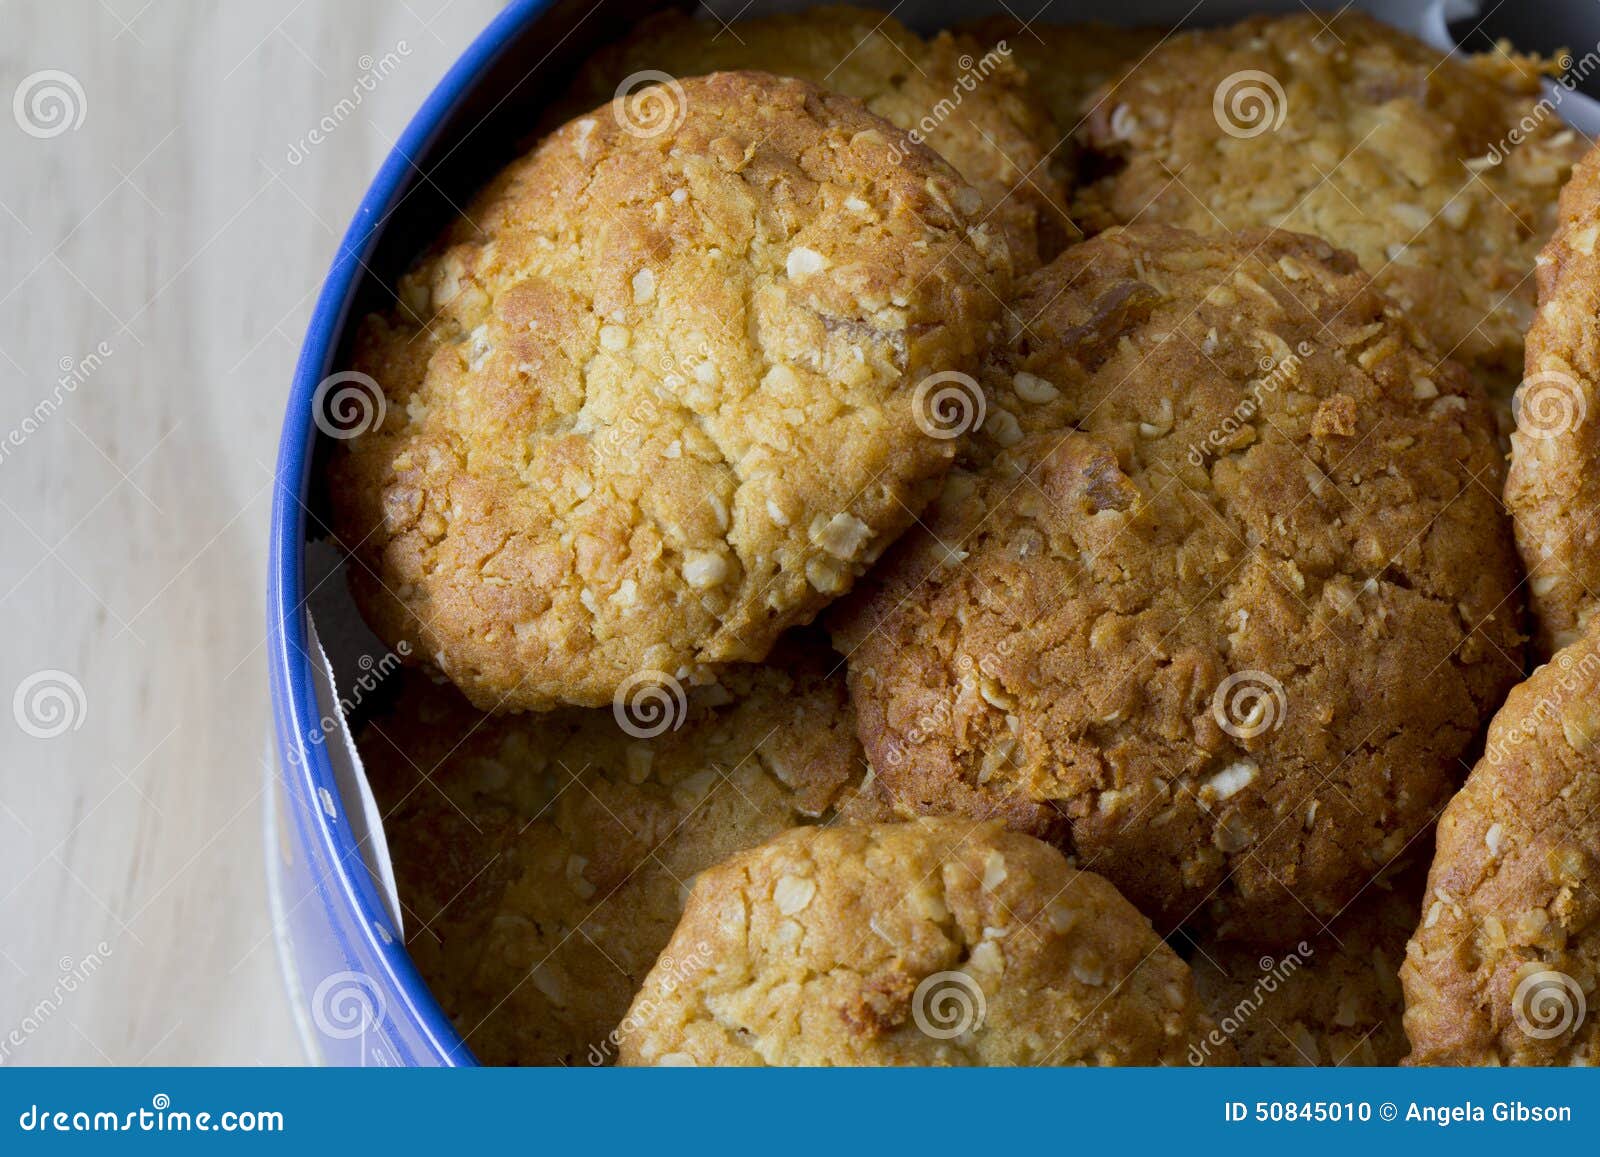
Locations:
(998, 549)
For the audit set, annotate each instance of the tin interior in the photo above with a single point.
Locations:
(477, 120)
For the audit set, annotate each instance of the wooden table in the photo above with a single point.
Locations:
(158, 263)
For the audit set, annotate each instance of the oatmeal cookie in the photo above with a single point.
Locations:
(543, 859)
(934, 942)
(1553, 488)
(971, 105)
(1231, 603)
(1504, 966)
(654, 399)
(1439, 173)
(1334, 1000)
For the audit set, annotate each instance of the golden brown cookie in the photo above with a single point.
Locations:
(1504, 966)
(1233, 601)
(968, 102)
(935, 942)
(655, 399)
(543, 860)
(1332, 1000)
(1553, 487)
(1067, 64)
(1440, 174)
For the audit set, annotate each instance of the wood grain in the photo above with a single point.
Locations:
(162, 256)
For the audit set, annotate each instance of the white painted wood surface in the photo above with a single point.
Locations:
(172, 226)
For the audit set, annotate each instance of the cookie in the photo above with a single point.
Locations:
(1439, 173)
(654, 399)
(1504, 964)
(1333, 1000)
(1230, 604)
(1553, 489)
(1067, 64)
(935, 942)
(543, 860)
(969, 102)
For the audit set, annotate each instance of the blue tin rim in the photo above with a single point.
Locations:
(303, 762)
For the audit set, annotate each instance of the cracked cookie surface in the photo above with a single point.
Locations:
(543, 860)
(933, 942)
(1504, 968)
(974, 107)
(653, 401)
(1230, 604)
(1440, 174)
(1553, 487)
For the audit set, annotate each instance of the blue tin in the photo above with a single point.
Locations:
(358, 998)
